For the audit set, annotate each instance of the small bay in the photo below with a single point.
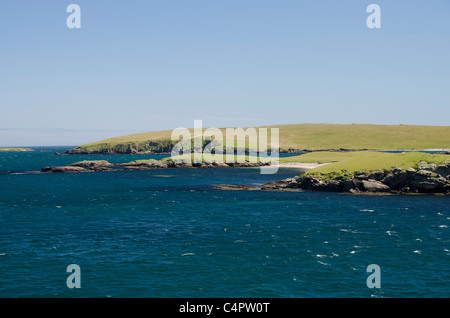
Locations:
(171, 233)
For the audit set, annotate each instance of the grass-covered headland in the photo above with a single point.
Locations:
(296, 138)
(367, 171)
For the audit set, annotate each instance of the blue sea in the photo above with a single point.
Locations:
(170, 233)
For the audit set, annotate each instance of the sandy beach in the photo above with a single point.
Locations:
(302, 165)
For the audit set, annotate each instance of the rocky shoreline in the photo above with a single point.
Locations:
(427, 178)
(103, 165)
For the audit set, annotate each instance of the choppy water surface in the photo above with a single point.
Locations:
(170, 233)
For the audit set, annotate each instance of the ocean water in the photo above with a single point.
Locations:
(170, 233)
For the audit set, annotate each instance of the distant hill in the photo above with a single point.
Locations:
(15, 149)
(298, 138)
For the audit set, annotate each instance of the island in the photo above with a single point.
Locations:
(355, 158)
(149, 164)
(295, 138)
(15, 149)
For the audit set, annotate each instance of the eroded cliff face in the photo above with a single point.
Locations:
(151, 147)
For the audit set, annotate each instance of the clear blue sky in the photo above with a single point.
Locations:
(138, 66)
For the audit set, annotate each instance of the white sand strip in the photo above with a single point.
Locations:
(302, 165)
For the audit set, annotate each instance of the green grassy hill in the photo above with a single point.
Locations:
(348, 163)
(299, 137)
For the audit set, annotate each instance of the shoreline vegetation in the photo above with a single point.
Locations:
(5, 149)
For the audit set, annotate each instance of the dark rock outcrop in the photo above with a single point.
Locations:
(426, 178)
(103, 165)
(236, 187)
(64, 169)
(102, 169)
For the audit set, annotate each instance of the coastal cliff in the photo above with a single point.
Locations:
(149, 147)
